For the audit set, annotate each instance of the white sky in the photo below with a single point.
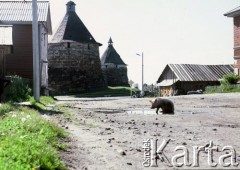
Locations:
(166, 31)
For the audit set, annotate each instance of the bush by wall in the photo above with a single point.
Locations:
(18, 90)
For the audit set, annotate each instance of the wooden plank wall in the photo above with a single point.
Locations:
(4, 49)
(20, 62)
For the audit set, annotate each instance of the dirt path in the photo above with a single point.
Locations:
(108, 133)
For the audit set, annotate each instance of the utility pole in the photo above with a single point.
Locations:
(142, 92)
(142, 77)
(35, 44)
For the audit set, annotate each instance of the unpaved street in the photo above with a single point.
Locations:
(108, 133)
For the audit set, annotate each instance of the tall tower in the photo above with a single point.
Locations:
(114, 69)
(73, 55)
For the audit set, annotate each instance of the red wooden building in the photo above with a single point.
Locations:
(18, 15)
(235, 14)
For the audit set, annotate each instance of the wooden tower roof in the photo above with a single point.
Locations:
(72, 28)
(111, 56)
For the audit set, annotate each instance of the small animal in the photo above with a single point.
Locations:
(166, 105)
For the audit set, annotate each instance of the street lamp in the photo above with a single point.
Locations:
(142, 91)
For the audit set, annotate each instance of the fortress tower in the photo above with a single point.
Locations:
(113, 67)
(73, 56)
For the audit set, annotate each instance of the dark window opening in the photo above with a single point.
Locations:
(88, 46)
(68, 45)
(11, 49)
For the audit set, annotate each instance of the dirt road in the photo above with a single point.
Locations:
(108, 133)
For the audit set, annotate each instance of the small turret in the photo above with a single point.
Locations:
(70, 6)
(110, 42)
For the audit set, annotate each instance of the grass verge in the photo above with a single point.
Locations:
(222, 89)
(110, 91)
(27, 141)
(41, 105)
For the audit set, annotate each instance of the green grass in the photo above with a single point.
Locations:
(228, 88)
(6, 108)
(27, 141)
(110, 91)
(41, 105)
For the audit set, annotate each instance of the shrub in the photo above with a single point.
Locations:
(18, 90)
(230, 79)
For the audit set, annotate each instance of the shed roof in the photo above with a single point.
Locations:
(233, 13)
(111, 56)
(72, 28)
(20, 12)
(6, 35)
(195, 72)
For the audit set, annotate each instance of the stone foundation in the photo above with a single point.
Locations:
(116, 76)
(74, 67)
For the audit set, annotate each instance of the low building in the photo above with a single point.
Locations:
(18, 16)
(178, 79)
(235, 14)
(113, 67)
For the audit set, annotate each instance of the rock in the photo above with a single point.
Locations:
(144, 131)
(107, 128)
(184, 143)
(156, 118)
(66, 127)
(129, 128)
(143, 124)
(122, 152)
(139, 150)
(137, 132)
(164, 124)
(214, 129)
(129, 163)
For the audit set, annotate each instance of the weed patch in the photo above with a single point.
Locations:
(27, 141)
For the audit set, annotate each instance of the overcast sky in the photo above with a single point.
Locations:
(166, 31)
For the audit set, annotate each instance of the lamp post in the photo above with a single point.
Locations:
(142, 91)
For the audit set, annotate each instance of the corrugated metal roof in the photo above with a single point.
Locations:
(21, 11)
(195, 72)
(6, 36)
(233, 13)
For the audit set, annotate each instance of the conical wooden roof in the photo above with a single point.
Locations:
(72, 28)
(111, 56)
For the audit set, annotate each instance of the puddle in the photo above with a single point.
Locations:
(142, 111)
(146, 111)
